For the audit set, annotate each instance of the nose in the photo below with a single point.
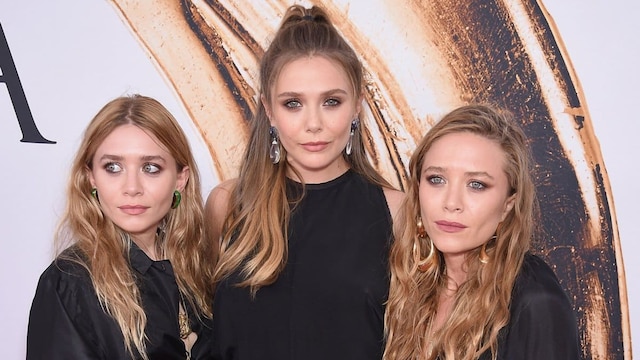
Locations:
(313, 121)
(453, 200)
(133, 184)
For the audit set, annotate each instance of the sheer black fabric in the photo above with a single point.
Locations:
(542, 325)
(67, 322)
(328, 303)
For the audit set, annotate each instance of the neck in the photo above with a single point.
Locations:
(332, 172)
(148, 245)
(456, 274)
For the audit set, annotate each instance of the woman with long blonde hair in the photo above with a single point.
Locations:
(464, 283)
(305, 228)
(132, 279)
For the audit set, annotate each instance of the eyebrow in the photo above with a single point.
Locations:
(143, 158)
(324, 93)
(439, 169)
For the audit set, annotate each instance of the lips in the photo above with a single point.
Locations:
(449, 226)
(315, 146)
(133, 209)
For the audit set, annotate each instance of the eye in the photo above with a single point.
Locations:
(477, 185)
(113, 167)
(151, 168)
(292, 103)
(435, 180)
(332, 102)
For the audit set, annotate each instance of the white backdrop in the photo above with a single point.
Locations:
(74, 56)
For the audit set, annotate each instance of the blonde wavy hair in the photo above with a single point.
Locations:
(481, 304)
(97, 244)
(254, 237)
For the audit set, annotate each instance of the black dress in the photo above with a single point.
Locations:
(542, 324)
(328, 302)
(67, 321)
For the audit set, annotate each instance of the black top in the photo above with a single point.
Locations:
(328, 302)
(542, 325)
(67, 321)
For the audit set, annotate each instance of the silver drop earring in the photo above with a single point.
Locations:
(274, 149)
(354, 126)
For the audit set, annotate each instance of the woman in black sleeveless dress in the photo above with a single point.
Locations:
(305, 229)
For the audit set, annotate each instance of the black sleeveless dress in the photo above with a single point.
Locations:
(328, 303)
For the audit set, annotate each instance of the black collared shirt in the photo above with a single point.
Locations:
(67, 321)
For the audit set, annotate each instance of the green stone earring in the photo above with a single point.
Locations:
(177, 197)
(94, 193)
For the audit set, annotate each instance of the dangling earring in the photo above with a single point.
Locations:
(177, 197)
(484, 257)
(161, 231)
(422, 234)
(94, 193)
(274, 149)
(354, 126)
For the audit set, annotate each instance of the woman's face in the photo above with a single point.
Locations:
(463, 192)
(312, 107)
(135, 178)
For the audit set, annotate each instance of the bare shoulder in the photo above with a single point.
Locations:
(394, 200)
(216, 207)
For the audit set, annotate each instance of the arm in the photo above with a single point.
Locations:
(52, 331)
(216, 210)
(394, 199)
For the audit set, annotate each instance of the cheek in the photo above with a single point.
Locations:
(286, 129)
(424, 201)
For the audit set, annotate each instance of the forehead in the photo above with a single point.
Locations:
(466, 151)
(130, 139)
(313, 71)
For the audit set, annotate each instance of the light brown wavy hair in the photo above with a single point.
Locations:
(481, 304)
(97, 244)
(254, 238)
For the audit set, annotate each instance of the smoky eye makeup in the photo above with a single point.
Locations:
(151, 168)
(112, 167)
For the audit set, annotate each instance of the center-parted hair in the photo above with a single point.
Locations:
(102, 248)
(254, 238)
(481, 304)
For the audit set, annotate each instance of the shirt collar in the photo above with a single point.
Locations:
(139, 260)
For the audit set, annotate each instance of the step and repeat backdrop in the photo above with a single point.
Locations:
(566, 69)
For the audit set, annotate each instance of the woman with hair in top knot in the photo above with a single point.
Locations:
(464, 284)
(305, 229)
(133, 280)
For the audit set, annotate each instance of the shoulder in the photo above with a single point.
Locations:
(217, 205)
(66, 279)
(65, 272)
(540, 314)
(219, 195)
(537, 287)
(394, 200)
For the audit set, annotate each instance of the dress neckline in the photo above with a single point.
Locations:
(325, 185)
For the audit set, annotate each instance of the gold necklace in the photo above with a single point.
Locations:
(183, 320)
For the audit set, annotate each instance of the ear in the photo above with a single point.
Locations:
(508, 206)
(89, 174)
(183, 179)
(359, 104)
(267, 108)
